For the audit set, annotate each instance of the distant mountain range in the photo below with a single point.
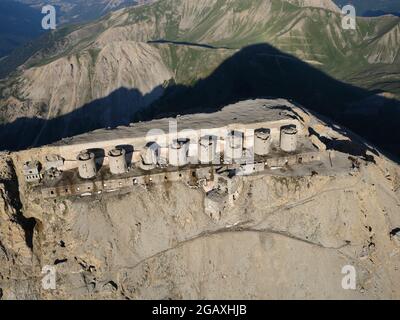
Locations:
(181, 56)
(28, 14)
(72, 11)
(20, 20)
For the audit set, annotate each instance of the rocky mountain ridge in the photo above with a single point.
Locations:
(155, 241)
(112, 61)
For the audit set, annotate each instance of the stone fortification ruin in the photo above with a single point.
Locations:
(259, 136)
(203, 150)
(217, 205)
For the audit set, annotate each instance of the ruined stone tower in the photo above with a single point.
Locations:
(207, 149)
(262, 141)
(178, 152)
(289, 138)
(233, 151)
(86, 164)
(117, 161)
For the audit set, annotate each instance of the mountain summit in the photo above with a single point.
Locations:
(199, 149)
(280, 227)
(108, 72)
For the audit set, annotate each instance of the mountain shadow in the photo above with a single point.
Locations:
(256, 71)
(19, 23)
(185, 43)
(117, 109)
(378, 13)
(263, 71)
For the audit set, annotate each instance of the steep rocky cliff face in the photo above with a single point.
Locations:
(17, 260)
(131, 65)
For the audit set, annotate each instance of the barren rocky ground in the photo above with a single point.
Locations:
(286, 237)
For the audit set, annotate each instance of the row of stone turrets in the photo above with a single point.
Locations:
(179, 149)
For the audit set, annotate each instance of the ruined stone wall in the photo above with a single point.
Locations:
(70, 151)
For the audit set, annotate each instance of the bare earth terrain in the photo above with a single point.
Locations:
(288, 234)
